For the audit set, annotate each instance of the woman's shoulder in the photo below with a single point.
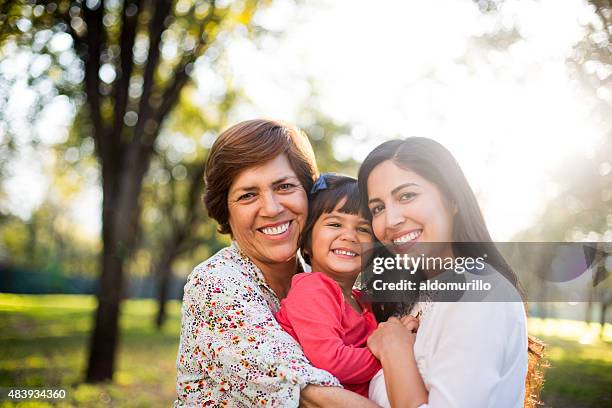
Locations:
(491, 316)
(226, 264)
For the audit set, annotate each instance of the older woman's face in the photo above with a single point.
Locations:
(267, 211)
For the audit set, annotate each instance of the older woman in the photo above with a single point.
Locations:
(232, 351)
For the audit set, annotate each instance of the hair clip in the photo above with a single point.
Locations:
(320, 184)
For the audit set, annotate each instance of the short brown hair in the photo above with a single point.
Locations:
(247, 144)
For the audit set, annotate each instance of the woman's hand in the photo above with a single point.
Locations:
(392, 343)
(410, 322)
(393, 336)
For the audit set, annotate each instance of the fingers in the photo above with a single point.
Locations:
(409, 318)
(410, 322)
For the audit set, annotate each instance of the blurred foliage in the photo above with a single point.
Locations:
(173, 224)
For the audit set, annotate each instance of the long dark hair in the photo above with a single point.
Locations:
(470, 236)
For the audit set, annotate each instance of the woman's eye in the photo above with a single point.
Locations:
(285, 186)
(246, 196)
(375, 210)
(407, 196)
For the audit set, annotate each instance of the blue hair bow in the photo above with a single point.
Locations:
(320, 184)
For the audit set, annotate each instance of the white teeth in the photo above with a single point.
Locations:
(411, 236)
(343, 252)
(275, 230)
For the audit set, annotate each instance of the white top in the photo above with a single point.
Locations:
(469, 354)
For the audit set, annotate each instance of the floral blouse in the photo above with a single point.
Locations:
(232, 352)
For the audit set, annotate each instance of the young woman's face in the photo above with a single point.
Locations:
(267, 211)
(406, 209)
(338, 242)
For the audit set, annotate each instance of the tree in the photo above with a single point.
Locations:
(581, 211)
(184, 227)
(136, 57)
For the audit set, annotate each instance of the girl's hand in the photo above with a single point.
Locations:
(393, 337)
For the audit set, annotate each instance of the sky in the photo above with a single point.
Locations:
(512, 116)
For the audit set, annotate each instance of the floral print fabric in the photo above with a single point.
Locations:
(232, 352)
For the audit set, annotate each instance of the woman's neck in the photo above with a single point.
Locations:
(278, 276)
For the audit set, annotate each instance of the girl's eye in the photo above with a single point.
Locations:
(407, 196)
(246, 196)
(334, 224)
(364, 230)
(376, 209)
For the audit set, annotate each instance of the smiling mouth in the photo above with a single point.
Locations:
(276, 230)
(409, 237)
(345, 252)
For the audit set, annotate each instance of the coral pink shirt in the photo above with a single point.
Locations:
(332, 334)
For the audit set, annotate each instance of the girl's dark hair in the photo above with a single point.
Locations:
(435, 163)
(325, 199)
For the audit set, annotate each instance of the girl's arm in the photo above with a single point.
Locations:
(313, 310)
(393, 344)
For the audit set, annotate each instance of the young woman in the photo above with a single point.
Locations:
(464, 354)
(322, 310)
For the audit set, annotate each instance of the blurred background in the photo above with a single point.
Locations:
(108, 109)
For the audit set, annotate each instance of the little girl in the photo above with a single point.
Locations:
(322, 311)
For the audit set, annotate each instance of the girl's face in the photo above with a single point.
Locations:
(338, 242)
(406, 209)
(267, 211)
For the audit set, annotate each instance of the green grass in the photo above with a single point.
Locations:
(43, 343)
(580, 372)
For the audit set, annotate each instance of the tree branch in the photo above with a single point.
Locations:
(181, 76)
(156, 28)
(126, 44)
(94, 40)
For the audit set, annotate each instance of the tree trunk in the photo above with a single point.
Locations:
(104, 339)
(163, 273)
(120, 212)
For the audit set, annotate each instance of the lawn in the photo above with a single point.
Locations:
(43, 342)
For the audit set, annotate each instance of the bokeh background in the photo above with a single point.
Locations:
(108, 109)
